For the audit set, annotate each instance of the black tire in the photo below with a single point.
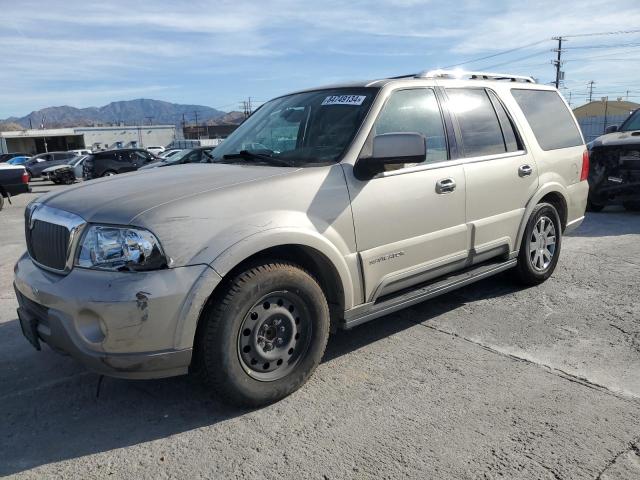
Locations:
(526, 272)
(1, 202)
(594, 207)
(632, 206)
(109, 173)
(219, 352)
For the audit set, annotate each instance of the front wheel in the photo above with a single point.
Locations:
(263, 337)
(540, 246)
(632, 206)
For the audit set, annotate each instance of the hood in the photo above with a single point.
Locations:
(120, 198)
(617, 138)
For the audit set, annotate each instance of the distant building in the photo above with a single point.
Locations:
(96, 138)
(208, 131)
(594, 117)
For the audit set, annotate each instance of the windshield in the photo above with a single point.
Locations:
(631, 123)
(302, 129)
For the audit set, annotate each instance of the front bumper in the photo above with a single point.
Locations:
(122, 324)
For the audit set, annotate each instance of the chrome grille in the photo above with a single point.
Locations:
(50, 234)
(48, 244)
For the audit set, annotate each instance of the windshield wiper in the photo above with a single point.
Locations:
(247, 155)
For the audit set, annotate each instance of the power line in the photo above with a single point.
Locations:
(618, 32)
(473, 60)
(603, 46)
(515, 60)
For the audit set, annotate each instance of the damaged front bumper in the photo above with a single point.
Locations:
(122, 324)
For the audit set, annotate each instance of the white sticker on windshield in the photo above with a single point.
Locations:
(344, 100)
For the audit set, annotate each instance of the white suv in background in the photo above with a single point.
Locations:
(155, 150)
(325, 209)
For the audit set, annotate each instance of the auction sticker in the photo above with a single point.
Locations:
(344, 100)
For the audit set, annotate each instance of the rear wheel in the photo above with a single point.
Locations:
(109, 173)
(540, 247)
(264, 335)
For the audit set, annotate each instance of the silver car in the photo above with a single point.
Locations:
(325, 209)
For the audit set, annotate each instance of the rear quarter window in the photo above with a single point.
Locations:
(549, 118)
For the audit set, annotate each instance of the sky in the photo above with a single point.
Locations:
(217, 53)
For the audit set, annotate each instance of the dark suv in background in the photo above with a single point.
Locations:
(112, 162)
(36, 164)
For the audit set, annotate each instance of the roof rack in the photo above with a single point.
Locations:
(460, 74)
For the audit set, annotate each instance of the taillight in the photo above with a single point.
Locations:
(584, 174)
(25, 177)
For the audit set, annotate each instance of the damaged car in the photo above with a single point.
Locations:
(614, 177)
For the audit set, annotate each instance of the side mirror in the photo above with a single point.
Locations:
(391, 149)
(611, 129)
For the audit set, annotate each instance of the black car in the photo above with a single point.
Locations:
(5, 157)
(614, 176)
(13, 181)
(112, 162)
(36, 164)
(191, 155)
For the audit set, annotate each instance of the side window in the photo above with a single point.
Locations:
(479, 125)
(549, 118)
(511, 140)
(415, 111)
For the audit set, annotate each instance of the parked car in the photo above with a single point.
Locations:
(81, 151)
(363, 199)
(112, 162)
(5, 157)
(66, 173)
(14, 180)
(170, 152)
(155, 150)
(36, 164)
(192, 155)
(18, 160)
(615, 166)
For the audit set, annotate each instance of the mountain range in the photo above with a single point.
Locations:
(130, 112)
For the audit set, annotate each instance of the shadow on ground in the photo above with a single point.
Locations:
(612, 221)
(61, 419)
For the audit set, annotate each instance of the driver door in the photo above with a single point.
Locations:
(409, 228)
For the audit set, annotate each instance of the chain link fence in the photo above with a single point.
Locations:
(593, 127)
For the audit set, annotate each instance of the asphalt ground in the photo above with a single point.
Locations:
(491, 381)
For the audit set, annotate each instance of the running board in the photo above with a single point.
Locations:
(370, 311)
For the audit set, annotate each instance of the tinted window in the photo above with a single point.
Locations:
(415, 111)
(549, 118)
(511, 140)
(479, 125)
(631, 123)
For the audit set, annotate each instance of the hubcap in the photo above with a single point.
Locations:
(542, 244)
(274, 336)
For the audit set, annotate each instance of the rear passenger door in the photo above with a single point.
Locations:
(501, 176)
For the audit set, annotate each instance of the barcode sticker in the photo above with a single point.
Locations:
(344, 100)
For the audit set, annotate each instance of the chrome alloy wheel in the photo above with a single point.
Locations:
(542, 244)
(274, 336)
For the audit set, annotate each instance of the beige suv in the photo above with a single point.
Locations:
(325, 209)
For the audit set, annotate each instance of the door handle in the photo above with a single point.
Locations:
(446, 185)
(525, 170)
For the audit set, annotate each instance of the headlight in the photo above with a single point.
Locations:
(120, 248)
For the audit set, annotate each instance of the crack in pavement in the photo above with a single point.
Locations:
(631, 447)
(548, 368)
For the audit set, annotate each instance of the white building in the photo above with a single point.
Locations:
(97, 138)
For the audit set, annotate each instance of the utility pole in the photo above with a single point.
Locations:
(195, 112)
(557, 62)
(150, 120)
(570, 98)
(31, 124)
(626, 98)
(591, 90)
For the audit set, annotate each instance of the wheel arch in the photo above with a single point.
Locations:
(312, 253)
(553, 193)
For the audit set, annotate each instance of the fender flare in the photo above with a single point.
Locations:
(550, 187)
(255, 243)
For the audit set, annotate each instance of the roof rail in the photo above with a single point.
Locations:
(460, 74)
